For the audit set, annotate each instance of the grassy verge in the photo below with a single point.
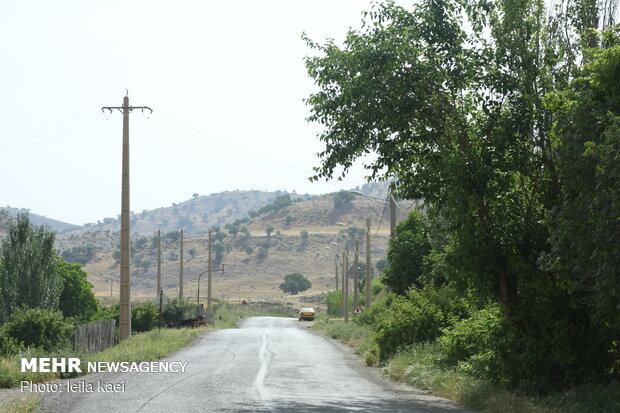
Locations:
(420, 367)
(26, 405)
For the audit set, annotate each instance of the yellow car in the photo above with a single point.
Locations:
(307, 314)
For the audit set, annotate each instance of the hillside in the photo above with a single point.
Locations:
(195, 215)
(11, 212)
(255, 262)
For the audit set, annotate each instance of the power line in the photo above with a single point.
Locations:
(44, 126)
(46, 140)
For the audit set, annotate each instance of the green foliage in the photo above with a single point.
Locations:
(176, 311)
(145, 317)
(77, 299)
(586, 231)
(304, 236)
(471, 342)
(38, 327)
(406, 254)
(79, 255)
(334, 303)
(27, 270)
(514, 147)
(420, 316)
(280, 202)
(342, 198)
(295, 283)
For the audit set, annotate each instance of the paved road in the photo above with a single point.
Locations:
(267, 365)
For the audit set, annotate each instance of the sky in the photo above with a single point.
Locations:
(225, 79)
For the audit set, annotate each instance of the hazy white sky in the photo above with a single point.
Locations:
(226, 80)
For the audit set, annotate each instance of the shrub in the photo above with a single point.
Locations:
(470, 342)
(38, 327)
(144, 317)
(418, 317)
(176, 311)
(334, 303)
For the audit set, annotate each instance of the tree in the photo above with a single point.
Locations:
(304, 236)
(192, 252)
(295, 283)
(466, 120)
(28, 273)
(269, 230)
(343, 197)
(77, 299)
(406, 254)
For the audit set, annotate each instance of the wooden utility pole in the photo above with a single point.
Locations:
(368, 265)
(158, 262)
(181, 269)
(125, 276)
(346, 286)
(392, 211)
(355, 274)
(336, 262)
(210, 263)
(111, 284)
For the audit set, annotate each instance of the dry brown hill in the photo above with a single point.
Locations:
(255, 263)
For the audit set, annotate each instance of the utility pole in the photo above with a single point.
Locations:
(355, 274)
(125, 284)
(368, 267)
(336, 262)
(392, 211)
(346, 286)
(111, 284)
(342, 286)
(210, 263)
(181, 269)
(158, 262)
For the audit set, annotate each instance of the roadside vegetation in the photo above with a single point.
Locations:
(503, 287)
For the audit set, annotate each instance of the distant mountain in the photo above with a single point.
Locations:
(196, 215)
(7, 214)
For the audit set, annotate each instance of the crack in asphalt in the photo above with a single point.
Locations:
(234, 356)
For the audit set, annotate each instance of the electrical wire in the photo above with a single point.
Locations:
(30, 138)
(44, 126)
(48, 140)
(230, 146)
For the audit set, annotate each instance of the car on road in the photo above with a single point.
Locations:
(307, 313)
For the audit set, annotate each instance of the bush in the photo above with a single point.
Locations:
(38, 327)
(419, 317)
(9, 345)
(144, 317)
(176, 311)
(334, 303)
(471, 342)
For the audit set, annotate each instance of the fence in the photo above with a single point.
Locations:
(97, 336)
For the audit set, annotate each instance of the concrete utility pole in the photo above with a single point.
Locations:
(158, 262)
(392, 211)
(346, 286)
(368, 264)
(125, 284)
(181, 269)
(355, 273)
(342, 286)
(210, 263)
(336, 262)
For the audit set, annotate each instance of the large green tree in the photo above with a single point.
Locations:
(77, 298)
(461, 118)
(28, 275)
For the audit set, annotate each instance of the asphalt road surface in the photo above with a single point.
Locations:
(267, 365)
